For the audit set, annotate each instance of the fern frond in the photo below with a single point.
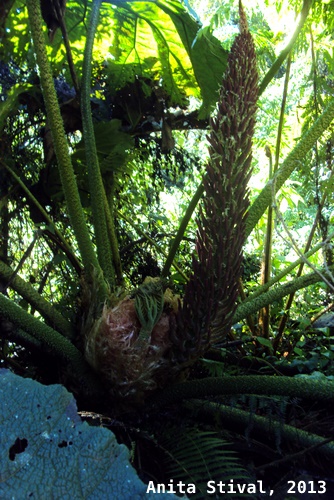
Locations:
(196, 456)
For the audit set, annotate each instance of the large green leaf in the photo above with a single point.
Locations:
(160, 40)
(206, 53)
(46, 451)
(156, 40)
(146, 44)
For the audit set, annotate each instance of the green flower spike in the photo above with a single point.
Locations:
(149, 304)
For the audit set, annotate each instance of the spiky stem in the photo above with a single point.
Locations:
(66, 171)
(262, 426)
(246, 384)
(48, 337)
(181, 230)
(96, 187)
(287, 50)
(51, 315)
(288, 166)
(252, 305)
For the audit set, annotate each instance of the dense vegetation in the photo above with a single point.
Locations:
(166, 226)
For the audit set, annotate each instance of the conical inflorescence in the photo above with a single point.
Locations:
(210, 296)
